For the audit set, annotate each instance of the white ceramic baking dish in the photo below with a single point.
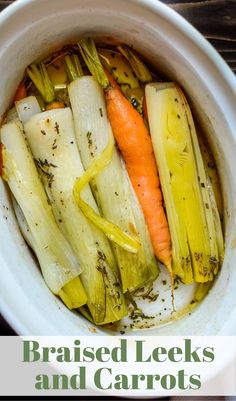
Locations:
(31, 28)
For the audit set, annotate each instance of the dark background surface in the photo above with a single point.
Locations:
(215, 19)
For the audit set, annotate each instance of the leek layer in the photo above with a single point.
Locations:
(51, 138)
(111, 187)
(56, 258)
(184, 184)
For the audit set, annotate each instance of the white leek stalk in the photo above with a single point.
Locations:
(72, 293)
(56, 258)
(24, 228)
(51, 138)
(111, 187)
(184, 184)
(27, 107)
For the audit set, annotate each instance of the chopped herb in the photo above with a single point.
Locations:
(57, 127)
(101, 256)
(54, 146)
(44, 166)
(90, 142)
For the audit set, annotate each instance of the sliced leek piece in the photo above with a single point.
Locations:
(51, 138)
(57, 261)
(111, 187)
(122, 72)
(118, 66)
(184, 184)
(113, 232)
(27, 107)
(72, 293)
(139, 68)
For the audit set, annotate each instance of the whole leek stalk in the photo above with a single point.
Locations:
(58, 263)
(111, 186)
(196, 248)
(51, 138)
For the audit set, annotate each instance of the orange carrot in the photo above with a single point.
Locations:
(55, 105)
(21, 92)
(135, 144)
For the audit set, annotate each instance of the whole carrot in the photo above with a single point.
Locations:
(135, 144)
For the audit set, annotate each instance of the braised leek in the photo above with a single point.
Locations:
(184, 184)
(111, 186)
(56, 258)
(51, 138)
(139, 68)
(113, 232)
(122, 72)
